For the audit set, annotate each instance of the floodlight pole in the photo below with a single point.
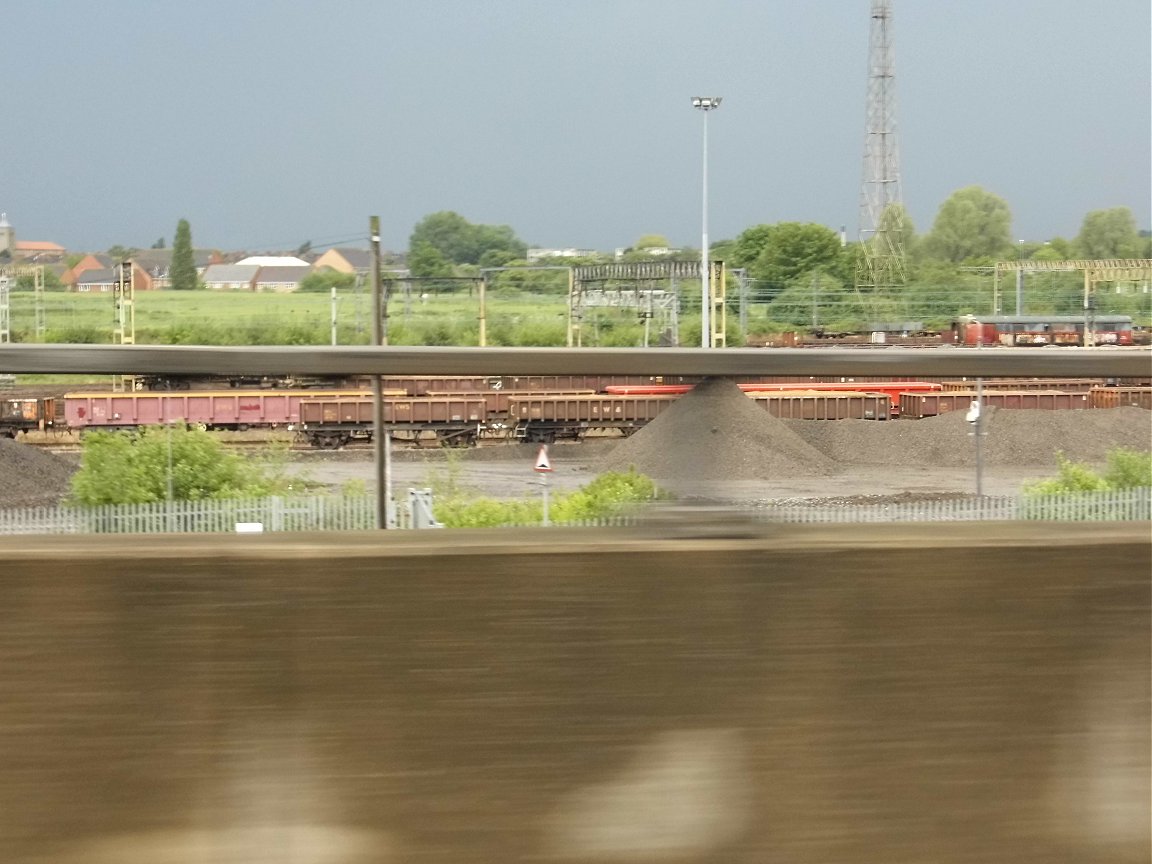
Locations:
(379, 337)
(705, 104)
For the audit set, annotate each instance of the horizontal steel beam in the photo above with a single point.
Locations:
(393, 360)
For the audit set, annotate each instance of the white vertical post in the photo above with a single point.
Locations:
(705, 286)
(705, 104)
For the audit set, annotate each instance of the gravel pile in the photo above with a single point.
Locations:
(31, 477)
(715, 433)
(1011, 437)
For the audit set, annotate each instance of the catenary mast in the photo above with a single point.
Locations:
(881, 264)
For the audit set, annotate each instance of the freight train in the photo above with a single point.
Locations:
(461, 411)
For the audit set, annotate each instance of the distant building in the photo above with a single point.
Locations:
(27, 251)
(344, 260)
(151, 268)
(88, 262)
(95, 281)
(538, 254)
(7, 236)
(275, 261)
(231, 277)
(280, 279)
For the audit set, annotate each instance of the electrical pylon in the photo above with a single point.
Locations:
(881, 263)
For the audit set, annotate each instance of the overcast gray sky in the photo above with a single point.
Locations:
(267, 123)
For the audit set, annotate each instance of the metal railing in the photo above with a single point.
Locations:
(336, 513)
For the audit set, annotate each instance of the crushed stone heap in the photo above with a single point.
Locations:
(31, 477)
(1011, 437)
(716, 434)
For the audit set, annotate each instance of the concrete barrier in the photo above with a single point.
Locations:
(958, 693)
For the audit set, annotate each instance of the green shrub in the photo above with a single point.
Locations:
(1126, 469)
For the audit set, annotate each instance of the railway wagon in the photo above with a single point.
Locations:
(1065, 385)
(1117, 397)
(545, 418)
(330, 423)
(204, 409)
(919, 405)
(497, 401)
(26, 415)
(893, 390)
(816, 405)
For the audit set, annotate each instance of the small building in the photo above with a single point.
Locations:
(280, 279)
(152, 268)
(91, 261)
(539, 254)
(345, 260)
(230, 277)
(94, 281)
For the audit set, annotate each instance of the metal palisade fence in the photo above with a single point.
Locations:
(336, 513)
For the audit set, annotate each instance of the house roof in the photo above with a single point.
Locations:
(38, 246)
(230, 273)
(359, 259)
(275, 261)
(282, 275)
(102, 276)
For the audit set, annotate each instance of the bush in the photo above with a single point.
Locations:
(609, 495)
(118, 468)
(1126, 469)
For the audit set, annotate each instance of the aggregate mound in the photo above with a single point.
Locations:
(715, 433)
(30, 477)
(1010, 437)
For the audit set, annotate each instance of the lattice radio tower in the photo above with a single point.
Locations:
(881, 263)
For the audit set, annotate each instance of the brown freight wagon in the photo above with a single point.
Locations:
(919, 405)
(815, 405)
(1119, 397)
(548, 418)
(497, 400)
(422, 420)
(1064, 385)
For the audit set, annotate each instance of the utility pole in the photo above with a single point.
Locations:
(881, 262)
(379, 337)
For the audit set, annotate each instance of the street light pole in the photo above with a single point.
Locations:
(705, 104)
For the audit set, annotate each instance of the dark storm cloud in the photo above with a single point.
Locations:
(266, 123)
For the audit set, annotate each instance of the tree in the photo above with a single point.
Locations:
(460, 242)
(183, 271)
(117, 468)
(1109, 234)
(651, 241)
(424, 259)
(325, 280)
(159, 244)
(774, 255)
(121, 253)
(972, 223)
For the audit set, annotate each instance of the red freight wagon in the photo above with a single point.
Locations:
(207, 409)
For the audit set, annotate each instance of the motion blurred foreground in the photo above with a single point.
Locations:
(943, 693)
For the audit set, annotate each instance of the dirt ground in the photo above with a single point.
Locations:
(507, 472)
